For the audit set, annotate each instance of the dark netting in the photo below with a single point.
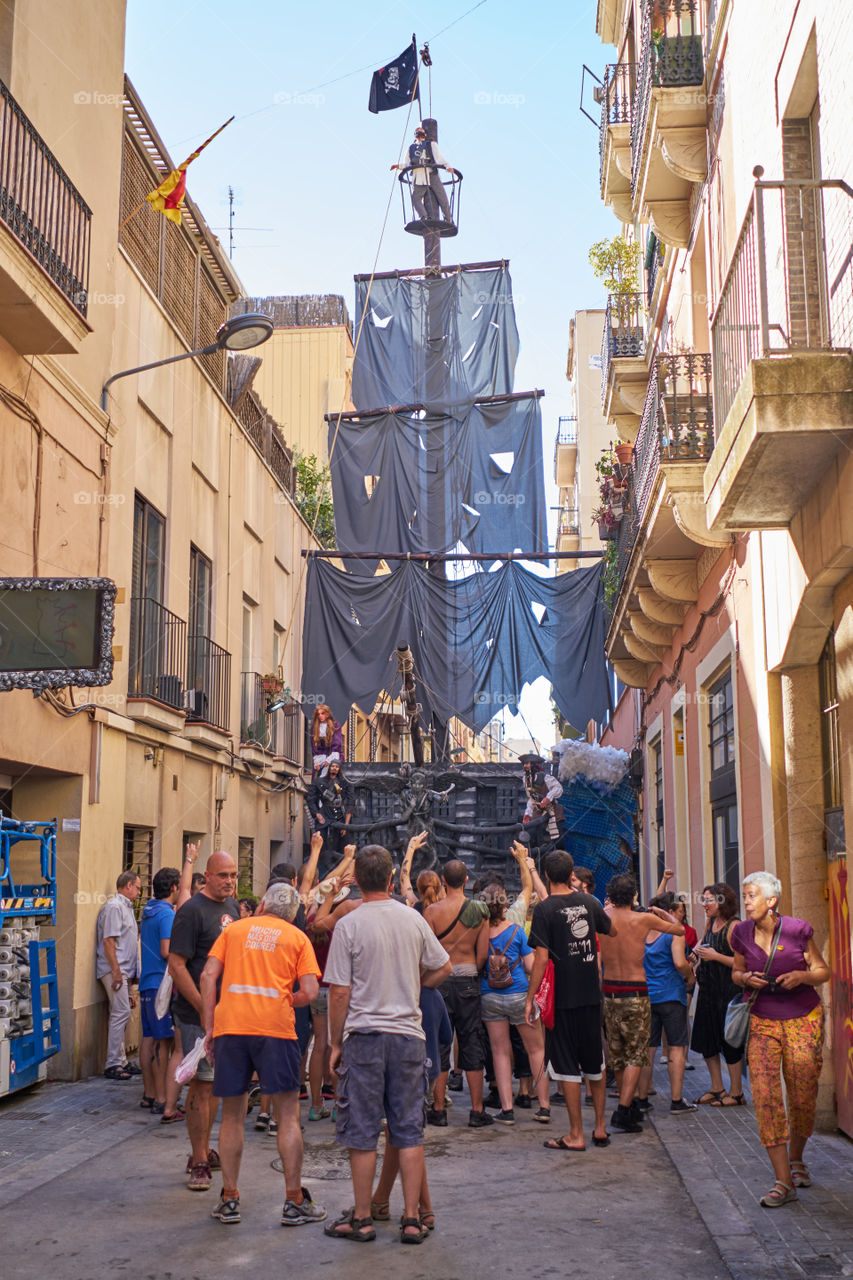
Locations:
(434, 341)
(424, 482)
(475, 641)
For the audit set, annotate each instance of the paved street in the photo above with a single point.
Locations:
(89, 1188)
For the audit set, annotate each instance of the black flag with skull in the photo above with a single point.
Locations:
(396, 84)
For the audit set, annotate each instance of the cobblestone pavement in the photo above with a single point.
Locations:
(90, 1186)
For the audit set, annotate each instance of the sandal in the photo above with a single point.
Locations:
(380, 1210)
(714, 1096)
(731, 1100)
(175, 1118)
(800, 1175)
(117, 1073)
(360, 1229)
(775, 1198)
(412, 1231)
(427, 1219)
(147, 1103)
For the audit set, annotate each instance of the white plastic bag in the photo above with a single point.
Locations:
(189, 1065)
(163, 998)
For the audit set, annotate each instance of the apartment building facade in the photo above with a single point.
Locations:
(727, 157)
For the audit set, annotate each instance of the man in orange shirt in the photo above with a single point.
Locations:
(254, 965)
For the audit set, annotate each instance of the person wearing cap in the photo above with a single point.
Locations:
(425, 159)
(543, 791)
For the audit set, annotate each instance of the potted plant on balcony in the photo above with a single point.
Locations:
(616, 262)
(608, 524)
(272, 683)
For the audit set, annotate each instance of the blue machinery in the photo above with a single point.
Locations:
(29, 996)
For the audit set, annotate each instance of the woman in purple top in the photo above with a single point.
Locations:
(326, 740)
(785, 1028)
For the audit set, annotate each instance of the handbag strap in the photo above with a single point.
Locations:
(755, 994)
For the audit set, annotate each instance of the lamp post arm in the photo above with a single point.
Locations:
(156, 364)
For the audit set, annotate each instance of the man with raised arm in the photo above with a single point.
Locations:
(627, 1011)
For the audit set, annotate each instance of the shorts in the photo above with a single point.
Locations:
(321, 1004)
(670, 1016)
(627, 1024)
(573, 1046)
(381, 1073)
(157, 1028)
(462, 997)
(189, 1033)
(495, 1006)
(278, 1063)
(304, 1029)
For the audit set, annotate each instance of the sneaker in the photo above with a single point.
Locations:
(523, 1100)
(454, 1081)
(226, 1211)
(681, 1108)
(505, 1116)
(557, 1097)
(296, 1215)
(492, 1099)
(643, 1104)
(543, 1115)
(262, 1122)
(437, 1117)
(199, 1179)
(213, 1161)
(623, 1119)
(254, 1098)
(479, 1120)
(272, 1128)
(319, 1113)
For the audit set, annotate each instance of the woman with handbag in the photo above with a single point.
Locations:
(776, 957)
(713, 958)
(505, 958)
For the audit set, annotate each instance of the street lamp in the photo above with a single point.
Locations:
(241, 333)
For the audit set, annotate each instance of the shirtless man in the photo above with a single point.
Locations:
(457, 923)
(627, 1012)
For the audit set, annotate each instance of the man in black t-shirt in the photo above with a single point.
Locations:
(564, 930)
(197, 925)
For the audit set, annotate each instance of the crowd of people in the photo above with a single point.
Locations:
(370, 998)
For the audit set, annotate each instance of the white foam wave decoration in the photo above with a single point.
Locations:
(599, 764)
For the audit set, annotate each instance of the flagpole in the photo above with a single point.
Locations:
(180, 167)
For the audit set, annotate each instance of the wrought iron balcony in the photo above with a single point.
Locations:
(566, 451)
(781, 336)
(257, 727)
(157, 653)
(208, 682)
(617, 97)
(569, 526)
(623, 339)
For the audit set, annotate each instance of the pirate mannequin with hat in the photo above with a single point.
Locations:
(543, 791)
(425, 159)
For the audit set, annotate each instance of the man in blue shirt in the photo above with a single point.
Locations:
(157, 1033)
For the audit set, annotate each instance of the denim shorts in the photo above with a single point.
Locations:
(381, 1073)
(156, 1028)
(320, 1004)
(189, 1032)
(495, 1006)
(236, 1058)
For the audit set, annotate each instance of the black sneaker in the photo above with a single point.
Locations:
(492, 1099)
(504, 1117)
(557, 1096)
(437, 1117)
(543, 1115)
(681, 1108)
(523, 1100)
(262, 1122)
(479, 1120)
(226, 1211)
(623, 1120)
(454, 1081)
(643, 1104)
(296, 1215)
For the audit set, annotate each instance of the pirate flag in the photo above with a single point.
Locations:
(396, 84)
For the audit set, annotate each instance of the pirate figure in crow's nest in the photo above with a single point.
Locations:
(543, 815)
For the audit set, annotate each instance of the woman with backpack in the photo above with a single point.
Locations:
(505, 958)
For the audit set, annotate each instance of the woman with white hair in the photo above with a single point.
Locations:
(785, 1028)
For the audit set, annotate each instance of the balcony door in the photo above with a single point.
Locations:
(723, 785)
(199, 654)
(148, 579)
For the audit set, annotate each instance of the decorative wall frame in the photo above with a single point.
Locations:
(56, 632)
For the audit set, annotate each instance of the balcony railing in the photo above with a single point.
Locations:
(624, 332)
(257, 727)
(208, 682)
(157, 653)
(617, 94)
(41, 206)
(654, 252)
(789, 287)
(291, 736)
(569, 525)
(676, 426)
(567, 431)
(671, 56)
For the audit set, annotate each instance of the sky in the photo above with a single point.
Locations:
(315, 201)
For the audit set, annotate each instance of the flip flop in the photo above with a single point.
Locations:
(601, 1142)
(560, 1144)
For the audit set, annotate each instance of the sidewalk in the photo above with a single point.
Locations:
(725, 1171)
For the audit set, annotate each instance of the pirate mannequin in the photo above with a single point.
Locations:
(425, 159)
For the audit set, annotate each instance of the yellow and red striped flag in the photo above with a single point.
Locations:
(169, 196)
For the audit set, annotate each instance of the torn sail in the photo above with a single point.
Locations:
(475, 641)
(437, 341)
(425, 481)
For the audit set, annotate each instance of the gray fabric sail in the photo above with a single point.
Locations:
(475, 641)
(423, 482)
(434, 341)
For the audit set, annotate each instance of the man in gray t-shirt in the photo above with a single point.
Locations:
(117, 965)
(380, 957)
